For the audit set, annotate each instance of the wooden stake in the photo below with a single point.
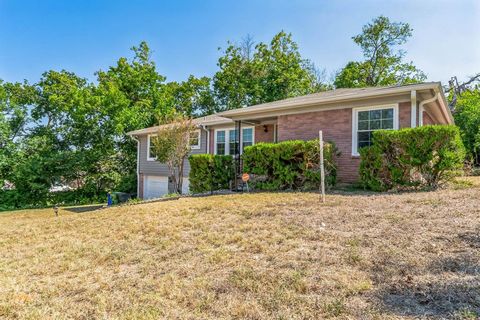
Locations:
(322, 169)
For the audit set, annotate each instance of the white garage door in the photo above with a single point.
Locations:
(155, 187)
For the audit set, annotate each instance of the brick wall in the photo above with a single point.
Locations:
(337, 127)
(404, 114)
(262, 136)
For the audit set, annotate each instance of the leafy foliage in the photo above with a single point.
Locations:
(424, 157)
(14, 101)
(172, 145)
(210, 172)
(289, 165)
(467, 118)
(266, 73)
(193, 97)
(382, 65)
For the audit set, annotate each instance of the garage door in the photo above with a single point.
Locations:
(155, 187)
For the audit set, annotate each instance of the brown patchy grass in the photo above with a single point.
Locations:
(249, 256)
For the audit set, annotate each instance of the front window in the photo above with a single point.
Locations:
(226, 140)
(151, 147)
(220, 144)
(247, 137)
(195, 139)
(369, 120)
(232, 142)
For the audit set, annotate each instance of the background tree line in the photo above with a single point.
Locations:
(66, 130)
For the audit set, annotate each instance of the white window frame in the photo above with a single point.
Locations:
(355, 112)
(227, 138)
(197, 146)
(149, 157)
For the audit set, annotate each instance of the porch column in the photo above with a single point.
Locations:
(237, 159)
(413, 110)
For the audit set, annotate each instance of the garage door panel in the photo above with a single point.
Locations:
(155, 187)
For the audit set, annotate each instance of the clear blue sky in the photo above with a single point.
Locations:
(84, 36)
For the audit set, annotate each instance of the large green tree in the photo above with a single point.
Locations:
(267, 72)
(467, 118)
(193, 97)
(14, 101)
(383, 62)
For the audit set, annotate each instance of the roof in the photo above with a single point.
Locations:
(201, 121)
(314, 99)
(336, 95)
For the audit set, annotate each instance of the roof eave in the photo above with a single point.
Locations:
(387, 92)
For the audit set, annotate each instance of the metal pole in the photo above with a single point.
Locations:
(322, 169)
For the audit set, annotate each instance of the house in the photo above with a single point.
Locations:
(346, 116)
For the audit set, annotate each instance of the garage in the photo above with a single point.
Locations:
(155, 187)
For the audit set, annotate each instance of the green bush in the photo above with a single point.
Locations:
(15, 199)
(289, 165)
(423, 157)
(210, 172)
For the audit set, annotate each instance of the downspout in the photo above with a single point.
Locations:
(424, 102)
(138, 160)
(208, 137)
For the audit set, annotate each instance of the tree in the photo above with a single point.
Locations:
(467, 118)
(269, 72)
(192, 98)
(172, 145)
(132, 94)
(14, 101)
(456, 89)
(383, 64)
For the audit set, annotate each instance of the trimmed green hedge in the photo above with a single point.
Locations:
(289, 165)
(210, 172)
(423, 157)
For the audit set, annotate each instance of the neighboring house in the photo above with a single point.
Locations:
(346, 116)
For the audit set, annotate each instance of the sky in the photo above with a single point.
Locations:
(84, 36)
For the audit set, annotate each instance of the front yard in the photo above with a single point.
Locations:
(254, 256)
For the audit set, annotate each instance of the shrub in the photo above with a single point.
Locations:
(15, 199)
(289, 165)
(424, 157)
(210, 172)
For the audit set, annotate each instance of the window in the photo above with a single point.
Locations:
(247, 137)
(151, 150)
(195, 140)
(367, 120)
(220, 142)
(226, 140)
(232, 142)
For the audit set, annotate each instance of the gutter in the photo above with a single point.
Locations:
(305, 102)
(424, 102)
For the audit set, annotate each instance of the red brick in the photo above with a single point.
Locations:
(337, 127)
(262, 136)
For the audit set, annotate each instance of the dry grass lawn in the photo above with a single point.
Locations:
(248, 256)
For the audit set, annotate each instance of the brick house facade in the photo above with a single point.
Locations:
(340, 114)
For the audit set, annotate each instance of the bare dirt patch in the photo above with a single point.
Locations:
(254, 256)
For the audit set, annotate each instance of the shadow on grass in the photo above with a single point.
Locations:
(449, 289)
(81, 209)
